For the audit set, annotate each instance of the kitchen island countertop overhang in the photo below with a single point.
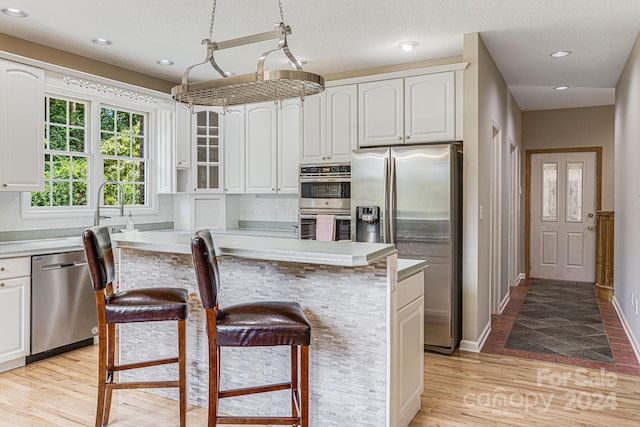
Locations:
(259, 247)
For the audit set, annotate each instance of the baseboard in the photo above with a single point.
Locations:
(521, 277)
(504, 302)
(12, 364)
(632, 339)
(476, 346)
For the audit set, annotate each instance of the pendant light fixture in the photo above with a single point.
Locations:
(263, 85)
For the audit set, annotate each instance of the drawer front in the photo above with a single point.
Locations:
(410, 288)
(15, 267)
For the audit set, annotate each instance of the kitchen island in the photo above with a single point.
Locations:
(365, 307)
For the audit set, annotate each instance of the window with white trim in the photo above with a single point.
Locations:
(78, 160)
(124, 159)
(66, 158)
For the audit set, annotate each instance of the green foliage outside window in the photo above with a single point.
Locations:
(65, 161)
(122, 146)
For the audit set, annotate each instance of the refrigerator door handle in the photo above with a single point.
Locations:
(385, 201)
(392, 203)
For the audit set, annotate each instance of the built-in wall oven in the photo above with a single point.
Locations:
(325, 190)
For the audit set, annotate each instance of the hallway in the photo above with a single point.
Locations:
(499, 342)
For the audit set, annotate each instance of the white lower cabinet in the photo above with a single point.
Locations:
(15, 300)
(197, 212)
(409, 359)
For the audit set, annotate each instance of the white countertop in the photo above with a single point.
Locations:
(40, 247)
(261, 247)
(246, 245)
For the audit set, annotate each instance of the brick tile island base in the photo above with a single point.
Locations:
(348, 291)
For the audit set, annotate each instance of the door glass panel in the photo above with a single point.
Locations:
(574, 191)
(549, 191)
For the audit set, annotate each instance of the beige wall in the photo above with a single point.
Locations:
(627, 198)
(76, 62)
(575, 127)
(487, 104)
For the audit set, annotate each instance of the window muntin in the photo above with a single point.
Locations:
(66, 158)
(123, 148)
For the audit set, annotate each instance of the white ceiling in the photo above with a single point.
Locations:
(345, 35)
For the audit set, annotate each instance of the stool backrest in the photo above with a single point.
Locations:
(207, 274)
(97, 250)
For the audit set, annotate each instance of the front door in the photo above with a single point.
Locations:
(562, 216)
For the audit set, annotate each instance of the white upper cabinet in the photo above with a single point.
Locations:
(289, 136)
(205, 129)
(183, 136)
(342, 122)
(272, 147)
(429, 105)
(313, 148)
(409, 110)
(261, 131)
(233, 148)
(330, 125)
(381, 112)
(21, 127)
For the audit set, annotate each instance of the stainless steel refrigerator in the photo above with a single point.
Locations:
(411, 196)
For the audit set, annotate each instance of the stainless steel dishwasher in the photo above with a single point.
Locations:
(63, 305)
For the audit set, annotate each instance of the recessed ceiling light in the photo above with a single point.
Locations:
(561, 88)
(164, 62)
(408, 46)
(102, 42)
(16, 13)
(560, 53)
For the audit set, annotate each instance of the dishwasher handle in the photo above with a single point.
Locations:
(49, 267)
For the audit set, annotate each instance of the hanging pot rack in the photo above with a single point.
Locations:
(263, 85)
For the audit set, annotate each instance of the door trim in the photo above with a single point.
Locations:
(527, 235)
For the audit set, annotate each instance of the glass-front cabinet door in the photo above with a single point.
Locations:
(207, 155)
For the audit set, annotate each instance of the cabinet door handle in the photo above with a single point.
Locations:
(1, 285)
(399, 138)
(1, 268)
(4, 185)
(407, 137)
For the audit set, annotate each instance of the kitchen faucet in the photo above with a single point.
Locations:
(97, 217)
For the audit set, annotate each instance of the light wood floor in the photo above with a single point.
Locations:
(460, 390)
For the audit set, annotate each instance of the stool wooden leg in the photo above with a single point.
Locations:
(214, 369)
(304, 385)
(111, 352)
(294, 381)
(102, 374)
(182, 370)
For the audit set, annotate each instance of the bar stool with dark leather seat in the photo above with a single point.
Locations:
(247, 325)
(136, 305)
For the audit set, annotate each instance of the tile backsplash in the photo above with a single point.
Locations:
(272, 208)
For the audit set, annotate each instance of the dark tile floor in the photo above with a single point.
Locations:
(562, 323)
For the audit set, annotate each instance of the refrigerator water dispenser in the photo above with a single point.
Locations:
(368, 224)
